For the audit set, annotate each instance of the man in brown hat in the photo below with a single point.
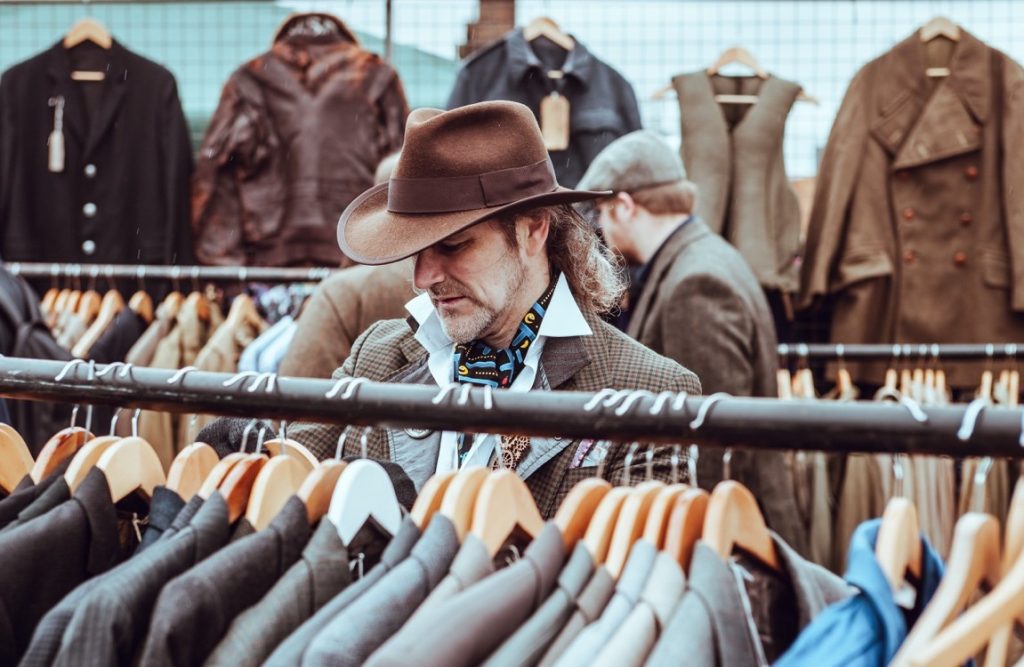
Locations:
(512, 282)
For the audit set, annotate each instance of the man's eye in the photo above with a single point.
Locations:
(451, 247)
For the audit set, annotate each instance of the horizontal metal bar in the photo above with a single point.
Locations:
(159, 272)
(898, 351)
(729, 422)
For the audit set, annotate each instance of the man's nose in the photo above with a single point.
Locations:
(428, 270)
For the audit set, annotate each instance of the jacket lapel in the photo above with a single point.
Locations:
(114, 87)
(694, 230)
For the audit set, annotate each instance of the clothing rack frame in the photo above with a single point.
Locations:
(624, 416)
(225, 274)
(901, 351)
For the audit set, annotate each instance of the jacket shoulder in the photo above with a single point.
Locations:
(378, 353)
(486, 53)
(619, 362)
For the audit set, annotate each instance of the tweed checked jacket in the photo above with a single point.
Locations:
(388, 352)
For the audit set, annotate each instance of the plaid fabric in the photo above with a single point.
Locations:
(590, 363)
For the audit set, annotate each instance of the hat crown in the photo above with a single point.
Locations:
(475, 139)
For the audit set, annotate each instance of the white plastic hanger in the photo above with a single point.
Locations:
(364, 492)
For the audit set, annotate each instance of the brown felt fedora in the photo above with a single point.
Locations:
(457, 168)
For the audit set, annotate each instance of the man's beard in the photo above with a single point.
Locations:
(472, 326)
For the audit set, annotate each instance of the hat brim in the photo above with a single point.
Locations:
(370, 234)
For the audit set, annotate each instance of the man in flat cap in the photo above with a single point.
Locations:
(693, 299)
(512, 284)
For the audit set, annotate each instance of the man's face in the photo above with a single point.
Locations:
(472, 278)
(614, 228)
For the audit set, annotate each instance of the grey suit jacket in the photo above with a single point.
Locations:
(367, 623)
(589, 605)
(531, 640)
(291, 650)
(468, 627)
(593, 638)
(702, 306)
(109, 624)
(635, 638)
(321, 573)
(710, 625)
(472, 563)
(46, 640)
(194, 609)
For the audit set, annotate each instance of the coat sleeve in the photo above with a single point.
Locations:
(322, 340)
(463, 92)
(177, 149)
(392, 110)
(834, 187)
(1013, 172)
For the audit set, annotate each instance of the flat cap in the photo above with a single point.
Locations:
(634, 162)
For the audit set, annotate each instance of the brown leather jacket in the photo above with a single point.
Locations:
(297, 135)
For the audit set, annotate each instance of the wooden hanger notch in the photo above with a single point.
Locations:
(733, 519)
(543, 26)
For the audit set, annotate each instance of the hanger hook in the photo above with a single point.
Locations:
(632, 398)
(350, 391)
(341, 443)
(74, 415)
(650, 461)
(363, 444)
(282, 430)
(970, 420)
(238, 377)
(488, 397)
(692, 455)
(122, 369)
(179, 377)
(727, 463)
(259, 439)
(680, 402)
(135, 422)
(245, 434)
(676, 448)
(660, 401)
(443, 393)
(67, 369)
(618, 396)
(113, 421)
(140, 278)
(602, 447)
(705, 408)
(193, 421)
(88, 406)
(628, 462)
(270, 379)
(898, 473)
(591, 405)
(338, 386)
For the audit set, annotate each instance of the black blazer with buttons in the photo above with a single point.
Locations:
(123, 194)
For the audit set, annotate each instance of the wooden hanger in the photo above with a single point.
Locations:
(460, 498)
(542, 26)
(46, 305)
(141, 304)
(578, 508)
(364, 493)
(86, 458)
(89, 307)
(685, 525)
(898, 548)
(280, 479)
(784, 383)
(503, 506)
(15, 458)
(237, 485)
(172, 304)
(131, 465)
(190, 468)
(292, 449)
(318, 487)
(219, 473)
(113, 303)
(73, 300)
(429, 500)
(973, 560)
(197, 303)
(57, 449)
(997, 652)
(939, 26)
(737, 55)
(88, 29)
(243, 313)
(60, 304)
(598, 537)
(629, 525)
(733, 519)
(656, 526)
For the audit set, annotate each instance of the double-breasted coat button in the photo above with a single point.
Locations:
(960, 258)
(909, 256)
(908, 213)
(89, 210)
(90, 170)
(902, 174)
(88, 246)
(971, 172)
(966, 218)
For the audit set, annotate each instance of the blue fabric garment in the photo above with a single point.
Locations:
(868, 628)
(249, 360)
(273, 353)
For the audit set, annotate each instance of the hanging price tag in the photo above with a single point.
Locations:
(554, 122)
(55, 142)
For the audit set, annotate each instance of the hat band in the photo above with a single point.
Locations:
(468, 193)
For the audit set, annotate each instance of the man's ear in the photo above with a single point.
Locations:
(533, 229)
(624, 206)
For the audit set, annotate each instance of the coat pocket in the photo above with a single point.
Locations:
(862, 264)
(995, 268)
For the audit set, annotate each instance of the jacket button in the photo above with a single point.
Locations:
(960, 258)
(902, 174)
(966, 218)
(88, 246)
(89, 210)
(909, 256)
(971, 172)
(908, 213)
(90, 170)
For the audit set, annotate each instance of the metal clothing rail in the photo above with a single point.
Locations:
(716, 420)
(155, 271)
(902, 351)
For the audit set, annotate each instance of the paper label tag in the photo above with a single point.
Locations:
(554, 122)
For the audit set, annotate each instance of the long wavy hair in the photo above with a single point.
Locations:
(575, 250)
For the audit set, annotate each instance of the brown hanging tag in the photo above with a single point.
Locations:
(554, 121)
